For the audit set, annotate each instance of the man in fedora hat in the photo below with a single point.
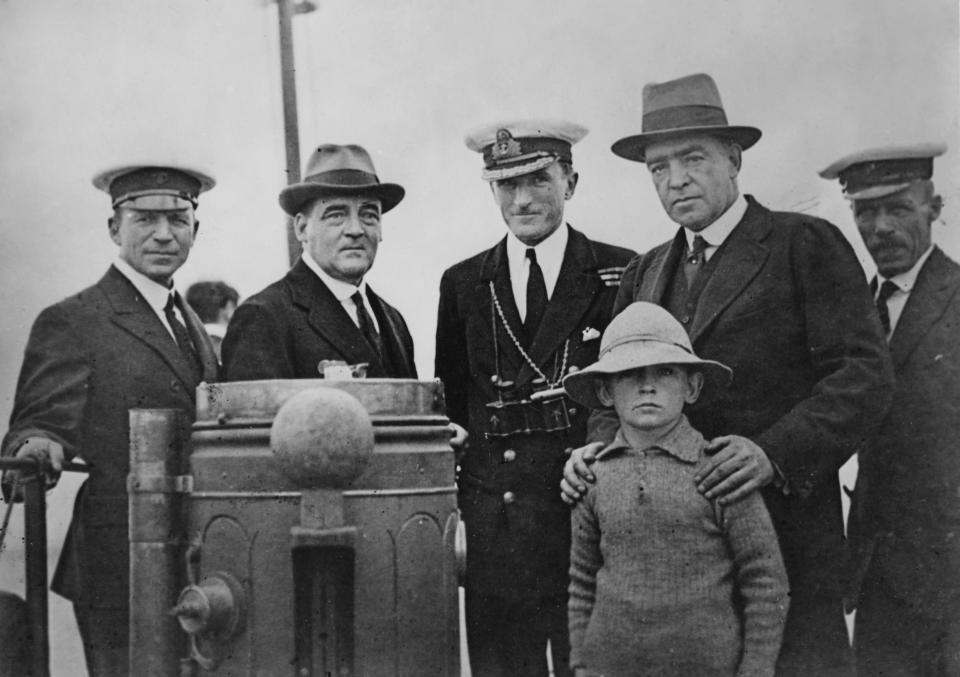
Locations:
(781, 298)
(129, 341)
(323, 309)
(905, 518)
(512, 321)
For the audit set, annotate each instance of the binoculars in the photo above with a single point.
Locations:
(538, 408)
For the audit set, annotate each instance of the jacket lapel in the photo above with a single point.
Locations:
(135, 316)
(327, 317)
(654, 285)
(390, 334)
(494, 269)
(575, 290)
(742, 256)
(201, 343)
(937, 283)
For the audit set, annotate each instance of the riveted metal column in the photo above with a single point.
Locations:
(157, 447)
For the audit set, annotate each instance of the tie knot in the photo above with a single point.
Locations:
(357, 298)
(532, 255)
(886, 290)
(699, 249)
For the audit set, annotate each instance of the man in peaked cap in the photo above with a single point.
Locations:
(780, 297)
(129, 341)
(905, 517)
(323, 309)
(512, 320)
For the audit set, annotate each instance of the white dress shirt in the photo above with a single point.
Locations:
(549, 257)
(905, 283)
(343, 291)
(154, 293)
(717, 232)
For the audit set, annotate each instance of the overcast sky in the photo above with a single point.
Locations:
(87, 84)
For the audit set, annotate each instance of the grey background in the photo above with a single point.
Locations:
(86, 84)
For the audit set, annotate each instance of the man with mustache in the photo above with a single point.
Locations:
(905, 516)
(128, 342)
(779, 297)
(512, 321)
(323, 309)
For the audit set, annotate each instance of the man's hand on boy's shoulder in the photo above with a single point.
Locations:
(576, 472)
(736, 466)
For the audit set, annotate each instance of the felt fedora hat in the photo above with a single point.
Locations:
(339, 170)
(685, 106)
(642, 335)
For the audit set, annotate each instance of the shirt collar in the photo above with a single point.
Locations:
(683, 442)
(717, 232)
(152, 292)
(907, 279)
(340, 289)
(549, 252)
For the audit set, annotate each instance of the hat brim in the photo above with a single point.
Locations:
(582, 385)
(874, 192)
(293, 198)
(105, 178)
(634, 147)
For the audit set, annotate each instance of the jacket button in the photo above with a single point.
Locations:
(509, 455)
(174, 386)
(509, 497)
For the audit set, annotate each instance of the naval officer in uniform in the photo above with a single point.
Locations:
(512, 321)
(905, 517)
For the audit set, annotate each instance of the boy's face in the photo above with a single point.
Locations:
(651, 399)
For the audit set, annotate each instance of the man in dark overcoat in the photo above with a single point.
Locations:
(512, 320)
(323, 308)
(905, 516)
(781, 298)
(128, 342)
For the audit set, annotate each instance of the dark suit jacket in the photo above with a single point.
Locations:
(518, 549)
(285, 331)
(905, 518)
(89, 360)
(788, 309)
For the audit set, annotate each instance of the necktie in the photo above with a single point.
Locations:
(180, 333)
(693, 264)
(365, 322)
(886, 291)
(536, 297)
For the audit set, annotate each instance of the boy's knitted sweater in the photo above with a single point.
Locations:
(665, 582)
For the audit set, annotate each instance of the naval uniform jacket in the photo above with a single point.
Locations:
(905, 518)
(89, 360)
(285, 331)
(787, 308)
(518, 528)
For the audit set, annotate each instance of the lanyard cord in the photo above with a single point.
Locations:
(516, 343)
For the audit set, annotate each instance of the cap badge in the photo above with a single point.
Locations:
(160, 178)
(506, 146)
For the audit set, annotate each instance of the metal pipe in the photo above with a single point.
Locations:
(35, 531)
(157, 443)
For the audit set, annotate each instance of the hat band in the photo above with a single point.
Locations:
(627, 340)
(347, 178)
(865, 175)
(679, 117)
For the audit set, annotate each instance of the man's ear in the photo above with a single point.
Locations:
(300, 222)
(572, 179)
(936, 205)
(196, 226)
(113, 227)
(603, 392)
(736, 157)
(694, 386)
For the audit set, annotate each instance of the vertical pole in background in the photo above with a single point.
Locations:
(35, 532)
(291, 132)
